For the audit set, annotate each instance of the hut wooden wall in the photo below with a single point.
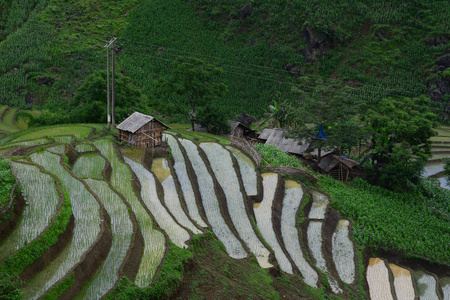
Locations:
(239, 132)
(148, 136)
(123, 136)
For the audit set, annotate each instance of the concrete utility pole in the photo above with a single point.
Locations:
(108, 108)
(113, 104)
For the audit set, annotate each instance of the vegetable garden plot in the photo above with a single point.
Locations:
(154, 240)
(426, 285)
(263, 215)
(89, 166)
(377, 276)
(292, 198)
(211, 204)
(122, 230)
(319, 205)
(222, 166)
(343, 253)
(403, 283)
(183, 178)
(87, 226)
(248, 171)
(42, 199)
(160, 168)
(84, 147)
(177, 234)
(315, 241)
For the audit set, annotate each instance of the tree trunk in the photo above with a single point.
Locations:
(193, 124)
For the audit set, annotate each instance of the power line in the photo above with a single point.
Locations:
(233, 61)
(248, 64)
(283, 82)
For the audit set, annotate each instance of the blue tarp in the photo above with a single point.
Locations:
(321, 135)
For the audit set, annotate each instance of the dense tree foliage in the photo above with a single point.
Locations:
(400, 140)
(335, 112)
(192, 85)
(89, 104)
(213, 119)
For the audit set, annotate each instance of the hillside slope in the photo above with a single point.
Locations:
(374, 48)
(201, 219)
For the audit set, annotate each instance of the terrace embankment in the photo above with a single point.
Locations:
(13, 212)
(92, 259)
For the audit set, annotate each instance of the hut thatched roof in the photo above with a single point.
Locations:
(275, 137)
(135, 121)
(331, 161)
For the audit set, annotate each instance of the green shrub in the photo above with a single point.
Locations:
(10, 287)
(7, 182)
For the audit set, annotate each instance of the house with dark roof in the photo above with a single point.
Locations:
(237, 129)
(339, 167)
(141, 131)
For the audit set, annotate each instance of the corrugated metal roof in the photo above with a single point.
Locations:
(275, 137)
(135, 121)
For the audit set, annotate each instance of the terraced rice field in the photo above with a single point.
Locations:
(343, 253)
(292, 199)
(222, 166)
(86, 230)
(138, 206)
(154, 241)
(149, 195)
(378, 279)
(185, 181)
(41, 197)
(403, 282)
(263, 214)
(89, 166)
(161, 169)
(440, 148)
(122, 230)
(210, 202)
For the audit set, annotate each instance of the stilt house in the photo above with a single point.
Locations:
(141, 131)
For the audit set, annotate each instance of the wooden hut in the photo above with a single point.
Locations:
(141, 131)
(339, 167)
(240, 130)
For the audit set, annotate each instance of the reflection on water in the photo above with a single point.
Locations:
(432, 169)
(444, 184)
